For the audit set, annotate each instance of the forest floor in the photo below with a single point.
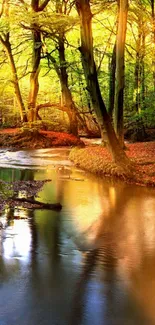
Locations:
(97, 159)
(93, 158)
(17, 139)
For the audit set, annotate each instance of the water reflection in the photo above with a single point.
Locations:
(118, 253)
(91, 263)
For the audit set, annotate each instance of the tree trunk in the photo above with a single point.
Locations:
(18, 95)
(139, 90)
(120, 49)
(112, 71)
(137, 72)
(86, 49)
(143, 66)
(36, 57)
(65, 91)
(5, 40)
(34, 83)
(67, 99)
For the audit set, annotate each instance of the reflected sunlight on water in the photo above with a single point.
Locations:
(91, 263)
(17, 241)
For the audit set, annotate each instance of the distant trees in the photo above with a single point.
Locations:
(5, 41)
(153, 39)
(63, 8)
(120, 69)
(49, 30)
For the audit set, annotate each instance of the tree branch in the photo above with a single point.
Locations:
(38, 204)
(2, 10)
(48, 104)
(43, 5)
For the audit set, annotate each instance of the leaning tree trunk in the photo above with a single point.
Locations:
(5, 40)
(18, 95)
(86, 49)
(65, 91)
(120, 50)
(67, 100)
(70, 108)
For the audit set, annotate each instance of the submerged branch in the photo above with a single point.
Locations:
(38, 204)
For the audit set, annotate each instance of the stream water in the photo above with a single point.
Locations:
(92, 263)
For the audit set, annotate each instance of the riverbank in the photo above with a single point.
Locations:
(97, 159)
(90, 157)
(36, 139)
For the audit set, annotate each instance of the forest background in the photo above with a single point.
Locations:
(41, 72)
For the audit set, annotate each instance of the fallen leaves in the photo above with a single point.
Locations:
(39, 139)
(97, 159)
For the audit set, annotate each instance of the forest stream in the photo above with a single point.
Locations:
(92, 263)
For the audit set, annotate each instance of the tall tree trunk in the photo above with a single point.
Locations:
(5, 40)
(137, 85)
(65, 91)
(143, 66)
(120, 50)
(112, 71)
(67, 100)
(34, 83)
(72, 111)
(139, 90)
(36, 57)
(7, 47)
(86, 49)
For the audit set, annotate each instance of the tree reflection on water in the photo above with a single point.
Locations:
(91, 263)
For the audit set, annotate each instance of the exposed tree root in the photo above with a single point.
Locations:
(33, 138)
(90, 161)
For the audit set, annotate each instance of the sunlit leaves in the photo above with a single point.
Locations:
(4, 25)
(46, 22)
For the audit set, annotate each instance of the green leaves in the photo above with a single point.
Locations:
(46, 22)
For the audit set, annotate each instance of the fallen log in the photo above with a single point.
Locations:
(40, 205)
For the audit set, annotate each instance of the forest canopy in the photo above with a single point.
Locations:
(42, 77)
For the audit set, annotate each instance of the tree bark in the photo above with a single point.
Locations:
(86, 49)
(120, 50)
(7, 47)
(143, 65)
(65, 91)
(112, 71)
(137, 72)
(36, 57)
(139, 90)
(5, 40)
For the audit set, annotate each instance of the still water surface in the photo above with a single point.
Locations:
(93, 263)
